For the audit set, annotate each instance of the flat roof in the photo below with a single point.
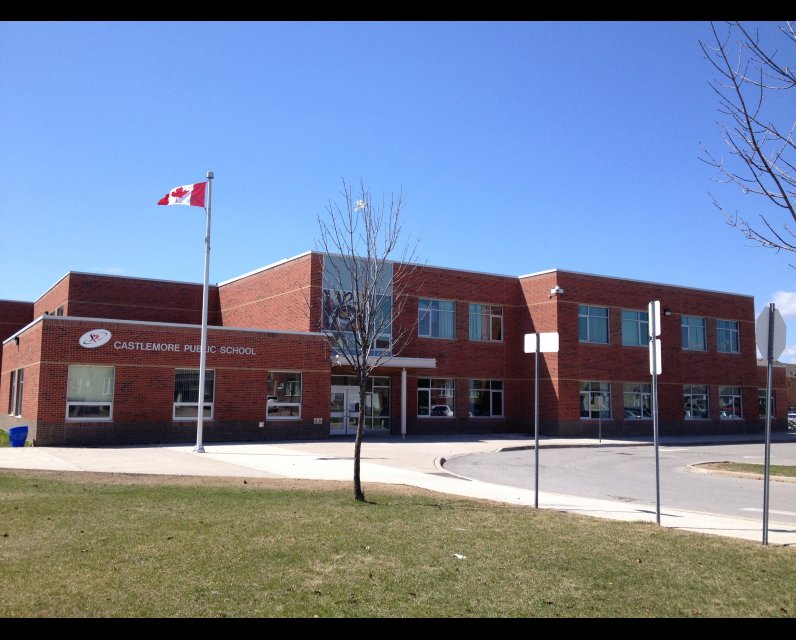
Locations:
(416, 264)
(660, 284)
(503, 275)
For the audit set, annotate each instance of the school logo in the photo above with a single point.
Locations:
(95, 338)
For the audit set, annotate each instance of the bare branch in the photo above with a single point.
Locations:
(361, 294)
(749, 75)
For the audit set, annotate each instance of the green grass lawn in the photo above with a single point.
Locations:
(117, 546)
(774, 470)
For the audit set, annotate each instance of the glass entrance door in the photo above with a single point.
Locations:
(344, 410)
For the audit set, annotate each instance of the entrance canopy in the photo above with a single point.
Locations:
(392, 364)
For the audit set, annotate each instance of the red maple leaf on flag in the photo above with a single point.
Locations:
(179, 192)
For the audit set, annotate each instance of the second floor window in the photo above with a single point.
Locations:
(693, 330)
(635, 328)
(727, 340)
(436, 318)
(593, 324)
(486, 322)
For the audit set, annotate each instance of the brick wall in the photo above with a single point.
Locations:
(144, 382)
(13, 316)
(122, 298)
(275, 297)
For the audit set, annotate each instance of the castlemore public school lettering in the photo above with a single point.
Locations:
(178, 348)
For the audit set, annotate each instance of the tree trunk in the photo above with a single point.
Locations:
(358, 493)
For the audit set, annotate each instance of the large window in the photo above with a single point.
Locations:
(695, 404)
(693, 330)
(727, 336)
(593, 324)
(595, 399)
(15, 393)
(284, 394)
(436, 319)
(761, 403)
(89, 393)
(730, 403)
(186, 394)
(486, 398)
(436, 397)
(635, 328)
(486, 322)
(346, 282)
(638, 401)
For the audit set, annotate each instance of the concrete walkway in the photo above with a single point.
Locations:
(414, 460)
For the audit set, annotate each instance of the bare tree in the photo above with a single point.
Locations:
(757, 127)
(364, 289)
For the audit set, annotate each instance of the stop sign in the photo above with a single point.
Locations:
(762, 325)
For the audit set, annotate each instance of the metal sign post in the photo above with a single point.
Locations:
(538, 343)
(654, 317)
(770, 331)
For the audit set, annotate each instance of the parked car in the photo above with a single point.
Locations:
(441, 410)
(792, 420)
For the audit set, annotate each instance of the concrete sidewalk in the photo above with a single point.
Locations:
(414, 460)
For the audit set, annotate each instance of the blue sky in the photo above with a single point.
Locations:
(518, 146)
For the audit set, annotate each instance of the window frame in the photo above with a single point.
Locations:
(490, 387)
(70, 404)
(641, 328)
(15, 392)
(487, 313)
(592, 393)
(735, 394)
(449, 384)
(686, 329)
(272, 395)
(688, 396)
(584, 313)
(761, 398)
(643, 393)
(732, 332)
(208, 407)
(431, 312)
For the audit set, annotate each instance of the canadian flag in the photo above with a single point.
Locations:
(192, 195)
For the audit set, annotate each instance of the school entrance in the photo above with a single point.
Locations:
(381, 410)
(344, 409)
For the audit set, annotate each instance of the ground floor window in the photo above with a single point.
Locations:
(284, 394)
(638, 401)
(186, 394)
(486, 398)
(730, 403)
(695, 405)
(435, 397)
(89, 393)
(15, 393)
(595, 399)
(761, 404)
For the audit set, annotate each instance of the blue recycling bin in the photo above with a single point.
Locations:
(17, 436)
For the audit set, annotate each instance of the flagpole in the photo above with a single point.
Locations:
(203, 348)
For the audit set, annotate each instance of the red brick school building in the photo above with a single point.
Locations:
(109, 360)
